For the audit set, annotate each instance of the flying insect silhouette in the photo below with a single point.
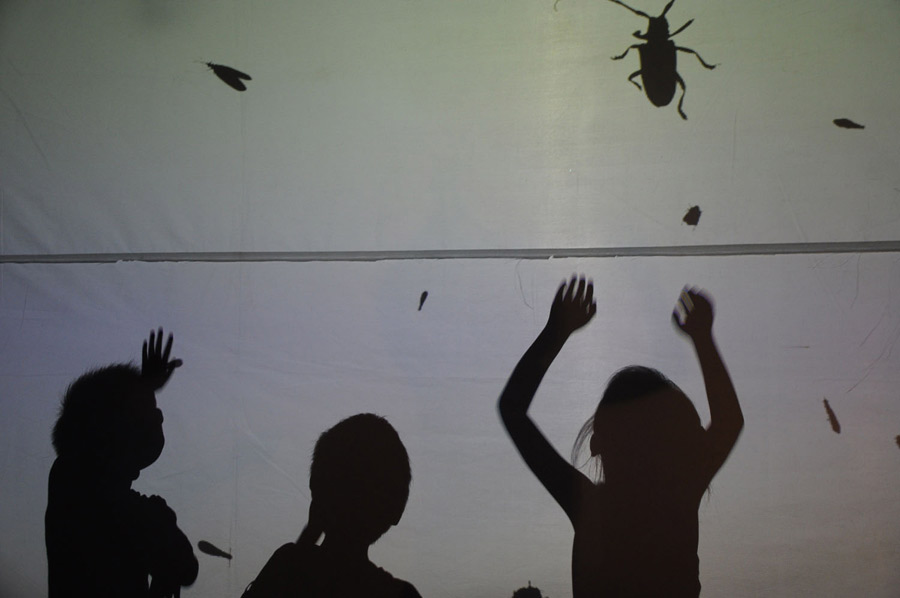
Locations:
(207, 548)
(832, 418)
(846, 123)
(658, 59)
(229, 75)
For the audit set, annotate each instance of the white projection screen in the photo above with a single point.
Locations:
(482, 152)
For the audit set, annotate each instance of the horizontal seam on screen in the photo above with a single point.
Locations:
(750, 249)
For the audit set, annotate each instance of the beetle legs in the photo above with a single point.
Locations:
(680, 81)
(694, 52)
(627, 50)
(632, 76)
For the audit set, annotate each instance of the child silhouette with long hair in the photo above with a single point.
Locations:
(636, 530)
(359, 481)
(105, 540)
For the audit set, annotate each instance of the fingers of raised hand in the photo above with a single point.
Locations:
(560, 293)
(155, 355)
(575, 289)
(153, 347)
(583, 298)
(686, 299)
(168, 349)
(159, 340)
(589, 293)
(574, 301)
(570, 289)
(699, 299)
(683, 307)
(587, 298)
(693, 310)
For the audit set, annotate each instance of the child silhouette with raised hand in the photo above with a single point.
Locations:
(636, 530)
(359, 482)
(103, 538)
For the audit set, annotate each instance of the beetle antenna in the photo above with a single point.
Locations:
(666, 9)
(637, 12)
(682, 28)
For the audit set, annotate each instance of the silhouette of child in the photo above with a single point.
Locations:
(103, 538)
(359, 481)
(636, 531)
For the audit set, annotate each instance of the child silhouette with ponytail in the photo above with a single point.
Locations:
(359, 483)
(636, 529)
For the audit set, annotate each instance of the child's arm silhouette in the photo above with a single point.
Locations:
(693, 315)
(573, 307)
(170, 555)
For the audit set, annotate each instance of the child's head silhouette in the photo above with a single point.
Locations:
(109, 421)
(644, 426)
(359, 478)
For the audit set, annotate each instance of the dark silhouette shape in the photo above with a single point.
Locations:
(846, 123)
(897, 440)
(658, 59)
(692, 217)
(636, 530)
(422, 299)
(359, 481)
(230, 76)
(207, 548)
(832, 418)
(103, 538)
(529, 592)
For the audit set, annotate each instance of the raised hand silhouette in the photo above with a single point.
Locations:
(156, 368)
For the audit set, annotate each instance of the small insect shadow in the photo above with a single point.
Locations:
(207, 548)
(692, 217)
(232, 77)
(832, 418)
(846, 123)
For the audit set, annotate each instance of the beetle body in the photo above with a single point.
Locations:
(659, 65)
(658, 72)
